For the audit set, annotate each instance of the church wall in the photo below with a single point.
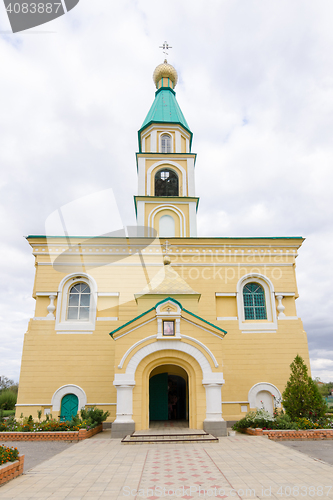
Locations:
(90, 361)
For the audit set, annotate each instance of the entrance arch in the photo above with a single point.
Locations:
(168, 393)
(205, 402)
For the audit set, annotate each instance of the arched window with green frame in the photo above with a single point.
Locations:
(254, 301)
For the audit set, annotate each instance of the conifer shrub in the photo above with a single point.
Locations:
(301, 397)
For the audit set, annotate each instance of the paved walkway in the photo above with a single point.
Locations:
(237, 467)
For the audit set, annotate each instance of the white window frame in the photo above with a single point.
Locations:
(171, 141)
(253, 326)
(64, 325)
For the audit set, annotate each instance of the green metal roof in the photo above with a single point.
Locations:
(165, 109)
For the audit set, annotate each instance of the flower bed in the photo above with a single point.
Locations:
(77, 435)
(10, 470)
(291, 435)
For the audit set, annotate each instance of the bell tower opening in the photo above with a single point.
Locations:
(169, 395)
(166, 183)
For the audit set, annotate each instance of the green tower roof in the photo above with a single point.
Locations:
(165, 109)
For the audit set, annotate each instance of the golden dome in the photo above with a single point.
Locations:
(165, 70)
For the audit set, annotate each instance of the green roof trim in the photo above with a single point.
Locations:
(158, 304)
(173, 237)
(165, 109)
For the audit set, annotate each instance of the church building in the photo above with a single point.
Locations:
(162, 324)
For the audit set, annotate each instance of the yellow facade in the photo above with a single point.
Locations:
(199, 288)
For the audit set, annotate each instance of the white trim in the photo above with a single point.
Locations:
(268, 325)
(34, 404)
(135, 328)
(108, 294)
(192, 209)
(235, 402)
(172, 208)
(67, 326)
(127, 353)
(191, 177)
(152, 264)
(46, 294)
(166, 162)
(107, 319)
(161, 345)
(169, 134)
(226, 318)
(178, 142)
(202, 328)
(218, 294)
(208, 351)
(71, 332)
(263, 386)
(289, 317)
(140, 214)
(284, 294)
(101, 404)
(44, 318)
(68, 389)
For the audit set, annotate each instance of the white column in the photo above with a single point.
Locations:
(213, 402)
(51, 307)
(124, 399)
(280, 307)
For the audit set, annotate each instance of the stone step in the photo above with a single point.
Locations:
(200, 437)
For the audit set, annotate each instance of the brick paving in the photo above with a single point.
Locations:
(237, 467)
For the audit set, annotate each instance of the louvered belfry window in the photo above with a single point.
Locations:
(166, 183)
(79, 302)
(254, 301)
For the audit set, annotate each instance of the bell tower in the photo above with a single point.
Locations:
(166, 200)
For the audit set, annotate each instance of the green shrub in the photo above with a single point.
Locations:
(94, 415)
(301, 397)
(8, 400)
(259, 418)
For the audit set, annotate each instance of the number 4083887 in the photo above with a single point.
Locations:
(33, 8)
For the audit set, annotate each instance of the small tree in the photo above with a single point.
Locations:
(301, 397)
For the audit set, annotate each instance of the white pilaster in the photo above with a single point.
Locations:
(193, 219)
(178, 142)
(190, 173)
(213, 402)
(153, 141)
(141, 177)
(124, 398)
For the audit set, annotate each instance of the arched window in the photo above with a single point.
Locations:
(254, 301)
(166, 143)
(79, 302)
(166, 183)
(166, 226)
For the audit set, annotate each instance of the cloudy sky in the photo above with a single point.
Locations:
(256, 87)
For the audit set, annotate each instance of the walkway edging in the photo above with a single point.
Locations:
(51, 436)
(291, 434)
(10, 470)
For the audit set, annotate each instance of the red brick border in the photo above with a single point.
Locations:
(279, 435)
(10, 470)
(50, 436)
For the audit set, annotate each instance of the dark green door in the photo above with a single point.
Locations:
(158, 397)
(69, 407)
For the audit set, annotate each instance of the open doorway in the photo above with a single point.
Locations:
(168, 394)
